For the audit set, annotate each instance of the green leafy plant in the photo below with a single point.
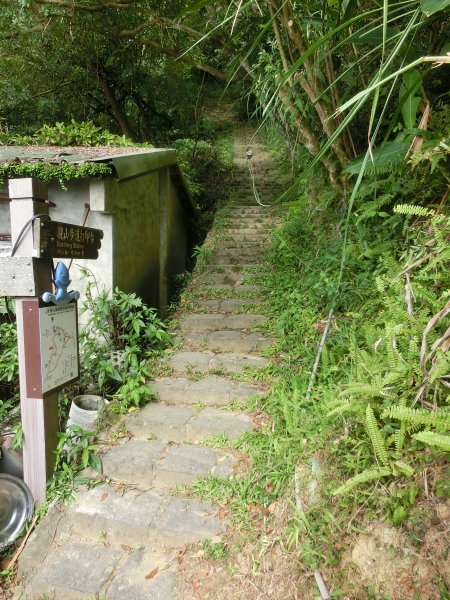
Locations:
(120, 336)
(74, 134)
(214, 550)
(75, 451)
(46, 171)
(9, 366)
(77, 446)
(202, 254)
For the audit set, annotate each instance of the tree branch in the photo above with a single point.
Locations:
(179, 56)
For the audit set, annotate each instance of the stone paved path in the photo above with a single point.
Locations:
(110, 541)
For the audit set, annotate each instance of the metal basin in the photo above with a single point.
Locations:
(16, 507)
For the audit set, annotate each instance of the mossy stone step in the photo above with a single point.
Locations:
(103, 570)
(235, 289)
(252, 232)
(227, 278)
(226, 341)
(215, 321)
(183, 423)
(240, 259)
(141, 518)
(211, 391)
(231, 246)
(203, 362)
(230, 268)
(226, 306)
(251, 223)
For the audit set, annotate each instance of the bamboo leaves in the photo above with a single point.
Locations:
(389, 153)
(430, 7)
(411, 83)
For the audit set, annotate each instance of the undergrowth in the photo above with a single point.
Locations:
(353, 447)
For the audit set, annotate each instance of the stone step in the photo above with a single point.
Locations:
(226, 278)
(238, 289)
(153, 517)
(183, 423)
(248, 211)
(107, 543)
(236, 240)
(226, 341)
(241, 259)
(203, 362)
(211, 391)
(76, 569)
(225, 306)
(250, 223)
(215, 321)
(250, 232)
(246, 206)
(228, 268)
(158, 464)
(233, 248)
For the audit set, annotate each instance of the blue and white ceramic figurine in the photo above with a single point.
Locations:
(61, 282)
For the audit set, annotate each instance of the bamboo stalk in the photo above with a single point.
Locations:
(319, 353)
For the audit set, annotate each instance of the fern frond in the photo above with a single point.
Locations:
(433, 439)
(413, 211)
(400, 434)
(404, 468)
(359, 388)
(438, 418)
(380, 283)
(370, 209)
(367, 475)
(376, 437)
(441, 366)
(348, 406)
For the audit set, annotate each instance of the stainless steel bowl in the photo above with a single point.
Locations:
(16, 507)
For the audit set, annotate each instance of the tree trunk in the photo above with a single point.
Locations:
(118, 112)
(310, 84)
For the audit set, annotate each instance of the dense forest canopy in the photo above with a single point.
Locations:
(136, 66)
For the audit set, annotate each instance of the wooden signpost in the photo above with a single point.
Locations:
(64, 240)
(47, 332)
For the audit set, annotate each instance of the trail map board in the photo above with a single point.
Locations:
(59, 345)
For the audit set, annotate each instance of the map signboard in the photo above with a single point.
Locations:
(59, 345)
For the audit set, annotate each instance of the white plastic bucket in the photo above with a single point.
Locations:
(84, 411)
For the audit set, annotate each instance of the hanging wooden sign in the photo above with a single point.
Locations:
(53, 239)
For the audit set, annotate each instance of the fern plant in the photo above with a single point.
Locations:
(389, 465)
(433, 439)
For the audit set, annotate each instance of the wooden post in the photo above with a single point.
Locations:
(39, 415)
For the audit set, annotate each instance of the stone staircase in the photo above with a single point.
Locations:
(121, 539)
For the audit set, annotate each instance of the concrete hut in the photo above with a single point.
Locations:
(144, 209)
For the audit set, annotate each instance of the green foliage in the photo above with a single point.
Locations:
(419, 416)
(46, 171)
(9, 363)
(74, 452)
(214, 550)
(202, 255)
(78, 449)
(9, 366)
(73, 134)
(376, 437)
(369, 475)
(120, 336)
(433, 439)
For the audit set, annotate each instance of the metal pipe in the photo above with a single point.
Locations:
(321, 585)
